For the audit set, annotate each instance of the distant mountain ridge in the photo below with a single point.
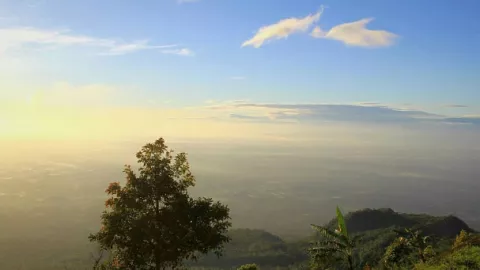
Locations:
(374, 226)
(373, 219)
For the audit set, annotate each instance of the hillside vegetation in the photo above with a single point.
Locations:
(373, 228)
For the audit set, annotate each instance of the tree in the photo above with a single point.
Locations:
(416, 241)
(334, 246)
(465, 239)
(397, 253)
(408, 247)
(152, 222)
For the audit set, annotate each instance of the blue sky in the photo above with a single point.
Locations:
(421, 55)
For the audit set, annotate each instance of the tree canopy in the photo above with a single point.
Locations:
(151, 222)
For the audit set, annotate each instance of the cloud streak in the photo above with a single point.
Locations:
(456, 106)
(322, 113)
(469, 120)
(356, 34)
(334, 112)
(282, 29)
(181, 52)
(21, 37)
(134, 47)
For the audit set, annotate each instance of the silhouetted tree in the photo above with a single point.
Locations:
(152, 222)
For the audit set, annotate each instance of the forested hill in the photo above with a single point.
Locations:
(373, 219)
(373, 226)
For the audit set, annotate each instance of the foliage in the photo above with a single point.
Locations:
(416, 241)
(466, 258)
(465, 239)
(373, 245)
(248, 267)
(398, 253)
(152, 222)
(334, 247)
(269, 251)
(461, 240)
(461, 259)
(258, 246)
(374, 219)
(464, 254)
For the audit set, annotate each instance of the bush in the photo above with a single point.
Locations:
(248, 267)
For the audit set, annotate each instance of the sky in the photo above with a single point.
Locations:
(225, 66)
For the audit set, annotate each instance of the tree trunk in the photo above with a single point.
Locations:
(350, 262)
(422, 257)
(158, 260)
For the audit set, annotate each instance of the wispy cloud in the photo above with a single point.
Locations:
(282, 29)
(19, 37)
(332, 112)
(182, 52)
(456, 106)
(136, 46)
(370, 103)
(352, 34)
(357, 34)
(371, 112)
(467, 119)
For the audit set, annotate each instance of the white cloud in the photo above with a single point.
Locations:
(136, 46)
(282, 29)
(15, 38)
(182, 52)
(356, 34)
(352, 34)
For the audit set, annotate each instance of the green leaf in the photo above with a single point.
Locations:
(329, 233)
(341, 223)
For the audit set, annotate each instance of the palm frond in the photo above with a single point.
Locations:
(323, 252)
(332, 243)
(329, 233)
(341, 223)
(403, 232)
